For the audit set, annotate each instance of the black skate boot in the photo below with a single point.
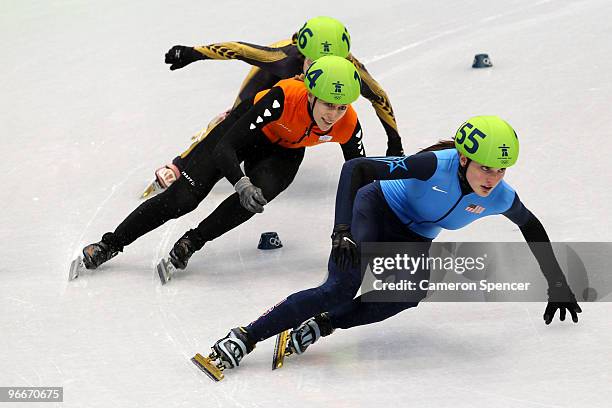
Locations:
(308, 333)
(226, 353)
(181, 252)
(97, 253)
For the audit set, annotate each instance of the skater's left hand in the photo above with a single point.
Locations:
(180, 56)
(561, 297)
(394, 147)
(251, 197)
(344, 247)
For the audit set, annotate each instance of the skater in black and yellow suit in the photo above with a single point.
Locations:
(269, 133)
(318, 37)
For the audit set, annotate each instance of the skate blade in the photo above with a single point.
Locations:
(207, 365)
(280, 349)
(75, 267)
(152, 189)
(165, 270)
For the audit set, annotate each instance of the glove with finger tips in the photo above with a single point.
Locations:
(344, 247)
(561, 297)
(251, 197)
(180, 56)
(394, 147)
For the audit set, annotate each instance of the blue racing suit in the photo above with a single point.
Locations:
(400, 199)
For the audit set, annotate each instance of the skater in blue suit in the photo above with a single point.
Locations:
(406, 199)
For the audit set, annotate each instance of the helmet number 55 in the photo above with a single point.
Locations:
(471, 137)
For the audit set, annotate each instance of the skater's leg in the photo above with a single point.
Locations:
(274, 170)
(198, 175)
(183, 196)
(272, 173)
(179, 199)
(213, 132)
(340, 287)
(359, 311)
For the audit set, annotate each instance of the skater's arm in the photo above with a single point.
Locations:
(560, 295)
(353, 147)
(377, 96)
(357, 173)
(534, 233)
(270, 58)
(246, 133)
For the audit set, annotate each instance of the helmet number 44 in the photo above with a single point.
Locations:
(471, 137)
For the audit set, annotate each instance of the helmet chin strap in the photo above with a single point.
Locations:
(313, 104)
(311, 109)
(462, 173)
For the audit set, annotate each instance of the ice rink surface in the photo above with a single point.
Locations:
(88, 110)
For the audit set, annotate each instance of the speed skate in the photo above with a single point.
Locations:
(152, 189)
(76, 266)
(165, 270)
(209, 366)
(280, 350)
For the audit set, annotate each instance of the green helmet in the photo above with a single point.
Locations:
(321, 36)
(334, 80)
(488, 140)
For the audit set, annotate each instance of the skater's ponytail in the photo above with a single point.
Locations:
(441, 145)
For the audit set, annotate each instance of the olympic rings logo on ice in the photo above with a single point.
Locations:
(274, 241)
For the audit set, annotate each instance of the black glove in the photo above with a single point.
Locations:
(251, 197)
(180, 56)
(560, 297)
(394, 147)
(344, 247)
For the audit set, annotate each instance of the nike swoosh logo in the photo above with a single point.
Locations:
(349, 240)
(436, 188)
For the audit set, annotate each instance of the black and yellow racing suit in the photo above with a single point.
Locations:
(283, 60)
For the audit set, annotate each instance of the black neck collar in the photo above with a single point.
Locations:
(461, 172)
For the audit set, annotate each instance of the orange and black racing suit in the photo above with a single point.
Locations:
(269, 133)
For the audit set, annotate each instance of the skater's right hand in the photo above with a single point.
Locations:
(251, 197)
(561, 297)
(344, 247)
(180, 56)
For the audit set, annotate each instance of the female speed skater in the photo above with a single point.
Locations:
(318, 37)
(269, 134)
(408, 199)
